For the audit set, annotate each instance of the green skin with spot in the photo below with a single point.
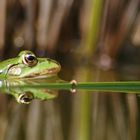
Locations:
(16, 68)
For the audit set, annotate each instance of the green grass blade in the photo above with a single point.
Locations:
(128, 87)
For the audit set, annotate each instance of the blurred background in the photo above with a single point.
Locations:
(94, 40)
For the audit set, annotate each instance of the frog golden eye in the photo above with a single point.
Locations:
(25, 98)
(30, 60)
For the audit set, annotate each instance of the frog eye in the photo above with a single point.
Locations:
(30, 59)
(25, 98)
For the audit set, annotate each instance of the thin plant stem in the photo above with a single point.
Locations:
(127, 87)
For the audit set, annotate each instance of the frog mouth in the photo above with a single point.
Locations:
(44, 73)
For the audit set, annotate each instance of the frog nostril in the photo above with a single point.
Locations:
(49, 60)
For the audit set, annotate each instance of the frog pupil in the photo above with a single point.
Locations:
(30, 57)
(26, 99)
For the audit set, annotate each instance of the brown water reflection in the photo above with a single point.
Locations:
(109, 116)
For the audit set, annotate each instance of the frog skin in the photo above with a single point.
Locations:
(27, 65)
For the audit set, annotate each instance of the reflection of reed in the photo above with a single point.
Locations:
(44, 122)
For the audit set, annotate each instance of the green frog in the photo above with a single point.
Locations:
(27, 65)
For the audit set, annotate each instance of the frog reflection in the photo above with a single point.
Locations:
(25, 96)
(23, 91)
